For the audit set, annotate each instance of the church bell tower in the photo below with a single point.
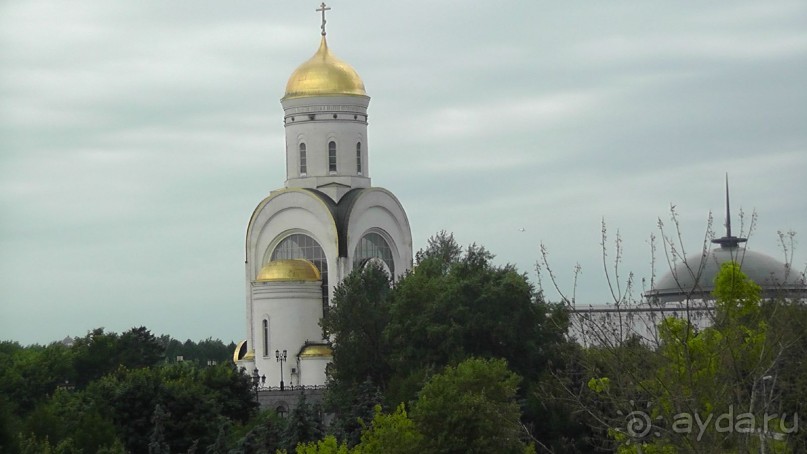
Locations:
(325, 108)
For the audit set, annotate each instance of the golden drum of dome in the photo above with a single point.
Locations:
(316, 351)
(288, 270)
(324, 75)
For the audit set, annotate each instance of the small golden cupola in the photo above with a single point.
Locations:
(289, 271)
(324, 75)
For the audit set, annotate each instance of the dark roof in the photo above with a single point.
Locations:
(694, 278)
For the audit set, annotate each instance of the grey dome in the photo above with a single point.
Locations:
(694, 279)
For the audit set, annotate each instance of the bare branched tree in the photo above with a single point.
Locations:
(643, 356)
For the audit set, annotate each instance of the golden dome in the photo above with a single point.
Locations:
(240, 351)
(324, 75)
(288, 270)
(316, 351)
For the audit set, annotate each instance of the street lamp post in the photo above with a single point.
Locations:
(256, 380)
(281, 358)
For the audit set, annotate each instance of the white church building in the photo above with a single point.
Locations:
(326, 221)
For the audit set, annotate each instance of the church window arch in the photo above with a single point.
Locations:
(265, 336)
(358, 158)
(332, 156)
(373, 246)
(302, 246)
(303, 160)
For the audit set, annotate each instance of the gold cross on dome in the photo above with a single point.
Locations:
(323, 8)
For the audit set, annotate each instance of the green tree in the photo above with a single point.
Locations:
(456, 305)
(720, 371)
(356, 323)
(393, 433)
(157, 443)
(69, 416)
(785, 392)
(359, 370)
(139, 348)
(470, 408)
(96, 355)
(28, 376)
(304, 424)
(9, 427)
(328, 445)
(351, 405)
(196, 397)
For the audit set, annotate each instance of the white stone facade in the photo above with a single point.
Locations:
(290, 311)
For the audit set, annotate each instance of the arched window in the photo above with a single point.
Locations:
(300, 246)
(373, 246)
(332, 156)
(303, 161)
(265, 334)
(358, 158)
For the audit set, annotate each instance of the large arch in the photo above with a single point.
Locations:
(376, 210)
(375, 244)
(297, 244)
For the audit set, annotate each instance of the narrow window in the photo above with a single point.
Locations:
(265, 337)
(332, 156)
(303, 163)
(358, 158)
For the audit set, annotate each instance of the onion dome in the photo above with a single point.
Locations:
(324, 75)
(316, 351)
(288, 271)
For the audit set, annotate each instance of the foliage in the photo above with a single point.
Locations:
(205, 352)
(723, 372)
(100, 394)
(470, 408)
(99, 353)
(387, 434)
(157, 444)
(29, 375)
(786, 390)
(304, 424)
(328, 445)
(456, 305)
(263, 433)
(356, 322)
(393, 433)
(351, 405)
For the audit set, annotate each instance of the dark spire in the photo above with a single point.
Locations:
(728, 209)
(728, 241)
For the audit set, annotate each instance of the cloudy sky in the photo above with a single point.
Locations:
(136, 138)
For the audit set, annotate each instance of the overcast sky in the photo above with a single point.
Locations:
(136, 138)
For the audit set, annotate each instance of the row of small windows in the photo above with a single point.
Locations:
(313, 117)
(331, 158)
